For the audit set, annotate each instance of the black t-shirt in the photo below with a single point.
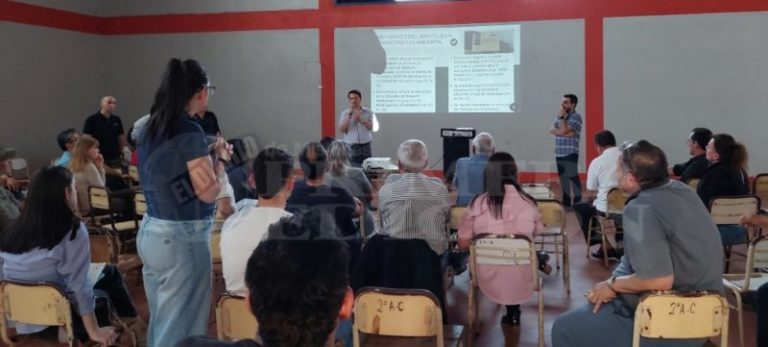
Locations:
(209, 123)
(205, 341)
(693, 168)
(336, 201)
(106, 131)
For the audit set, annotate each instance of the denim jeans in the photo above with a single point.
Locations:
(177, 277)
(568, 170)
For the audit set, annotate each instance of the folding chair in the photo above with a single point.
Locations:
(694, 183)
(508, 250)
(760, 188)
(104, 249)
(553, 218)
(234, 320)
(20, 171)
(133, 177)
(750, 280)
(395, 316)
(539, 191)
(607, 224)
(673, 315)
(101, 205)
(728, 210)
(38, 303)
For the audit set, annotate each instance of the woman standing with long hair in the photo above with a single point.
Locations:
(502, 209)
(180, 182)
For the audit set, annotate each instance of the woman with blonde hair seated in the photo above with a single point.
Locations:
(87, 166)
(502, 209)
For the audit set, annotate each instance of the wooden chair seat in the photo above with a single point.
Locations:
(125, 226)
(453, 335)
(551, 231)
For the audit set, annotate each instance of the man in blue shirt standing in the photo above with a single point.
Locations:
(567, 131)
(468, 180)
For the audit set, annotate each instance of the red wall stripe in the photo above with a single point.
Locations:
(47, 17)
(594, 120)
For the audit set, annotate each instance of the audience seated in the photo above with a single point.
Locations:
(726, 176)
(468, 178)
(697, 165)
(341, 174)
(415, 206)
(601, 177)
(313, 192)
(243, 231)
(238, 170)
(66, 140)
(670, 242)
(297, 285)
(87, 165)
(503, 208)
(49, 243)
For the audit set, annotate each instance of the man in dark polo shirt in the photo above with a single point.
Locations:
(697, 148)
(107, 128)
(209, 123)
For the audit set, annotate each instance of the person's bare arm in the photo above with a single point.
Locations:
(606, 291)
(344, 126)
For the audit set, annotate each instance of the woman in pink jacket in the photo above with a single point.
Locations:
(503, 208)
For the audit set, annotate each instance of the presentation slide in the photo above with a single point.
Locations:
(447, 70)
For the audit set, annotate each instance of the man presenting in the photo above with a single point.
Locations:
(567, 131)
(358, 124)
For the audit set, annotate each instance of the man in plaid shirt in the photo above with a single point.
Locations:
(567, 131)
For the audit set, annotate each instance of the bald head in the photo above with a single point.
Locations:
(108, 105)
(412, 156)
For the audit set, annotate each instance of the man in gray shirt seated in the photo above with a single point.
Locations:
(670, 243)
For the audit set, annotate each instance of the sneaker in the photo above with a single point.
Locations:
(511, 320)
(612, 253)
(545, 268)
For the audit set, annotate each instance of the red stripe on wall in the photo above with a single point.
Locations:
(593, 77)
(47, 17)
(214, 22)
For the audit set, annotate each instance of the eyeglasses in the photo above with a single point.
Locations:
(211, 89)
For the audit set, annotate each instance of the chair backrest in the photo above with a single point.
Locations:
(34, 303)
(140, 204)
(538, 191)
(672, 315)
(234, 320)
(728, 209)
(133, 173)
(104, 247)
(398, 312)
(99, 198)
(19, 168)
(616, 201)
(552, 214)
(693, 183)
(760, 185)
(216, 246)
(457, 216)
(509, 250)
(757, 257)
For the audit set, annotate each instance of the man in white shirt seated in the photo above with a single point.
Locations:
(242, 232)
(601, 177)
(415, 206)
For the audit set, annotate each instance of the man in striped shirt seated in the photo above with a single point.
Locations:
(415, 206)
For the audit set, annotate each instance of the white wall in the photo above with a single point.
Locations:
(51, 81)
(666, 75)
(267, 81)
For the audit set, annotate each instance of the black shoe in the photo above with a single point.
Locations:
(612, 253)
(512, 320)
